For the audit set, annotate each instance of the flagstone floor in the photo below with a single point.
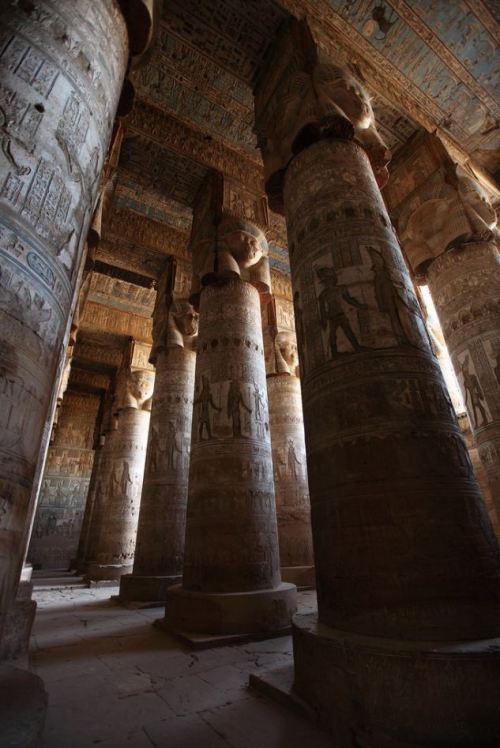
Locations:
(114, 680)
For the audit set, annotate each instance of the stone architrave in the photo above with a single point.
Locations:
(231, 582)
(449, 231)
(119, 493)
(159, 551)
(407, 563)
(286, 422)
(62, 67)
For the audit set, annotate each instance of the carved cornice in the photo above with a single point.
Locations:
(162, 128)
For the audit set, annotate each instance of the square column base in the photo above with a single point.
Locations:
(252, 612)
(385, 693)
(149, 590)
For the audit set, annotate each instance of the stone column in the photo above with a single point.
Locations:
(407, 564)
(120, 488)
(159, 551)
(288, 446)
(62, 68)
(449, 232)
(101, 469)
(231, 582)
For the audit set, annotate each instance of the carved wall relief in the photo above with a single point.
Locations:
(65, 484)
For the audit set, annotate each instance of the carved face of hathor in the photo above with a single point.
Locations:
(186, 320)
(244, 241)
(140, 385)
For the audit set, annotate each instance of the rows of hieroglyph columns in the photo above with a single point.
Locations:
(407, 564)
(231, 582)
(287, 440)
(449, 232)
(121, 474)
(58, 112)
(159, 551)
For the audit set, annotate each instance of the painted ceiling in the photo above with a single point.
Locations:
(429, 64)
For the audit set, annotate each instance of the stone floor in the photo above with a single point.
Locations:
(113, 680)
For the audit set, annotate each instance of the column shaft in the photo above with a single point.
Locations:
(385, 453)
(465, 287)
(293, 508)
(58, 108)
(159, 552)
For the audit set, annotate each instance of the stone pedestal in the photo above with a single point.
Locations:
(290, 479)
(122, 474)
(59, 98)
(406, 559)
(231, 578)
(159, 551)
(465, 287)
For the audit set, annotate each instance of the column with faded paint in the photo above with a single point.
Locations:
(231, 581)
(159, 553)
(119, 493)
(286, 422)
(407, 563)
(62, 68)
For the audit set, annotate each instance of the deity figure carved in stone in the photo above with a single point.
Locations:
(331, 308)
(235, 400)
(205, 401)
(473, 393)
(137, 390)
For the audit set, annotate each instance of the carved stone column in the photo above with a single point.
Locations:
(449, 232)
(406, 560)
(231, 580)
(62, 68)
(288, 446)
(101, 470)
(159, 551)
(120, 490)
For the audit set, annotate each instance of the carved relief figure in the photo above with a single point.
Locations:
(386, 295)
(154, 449)
(126, 480)
(293, 462)
(331, 309)
(205, 401)
(299, 328)
(473, 393)
(173, 446)
(234, 402)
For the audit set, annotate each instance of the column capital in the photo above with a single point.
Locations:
(301, 97)
(227, 237)
(135, 380)
(438, 204)
(280, 341)
(175, 322)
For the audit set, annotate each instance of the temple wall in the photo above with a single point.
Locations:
(65, 484)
